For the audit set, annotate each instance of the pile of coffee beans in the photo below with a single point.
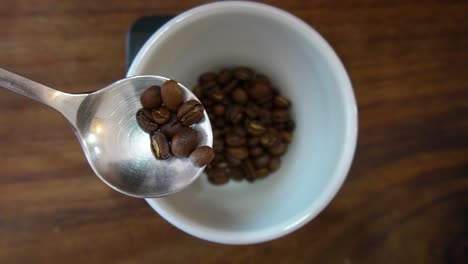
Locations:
(251, 121)
(168, 120)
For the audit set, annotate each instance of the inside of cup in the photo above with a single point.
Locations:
(304, 69)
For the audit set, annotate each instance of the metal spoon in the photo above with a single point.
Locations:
(115, 147)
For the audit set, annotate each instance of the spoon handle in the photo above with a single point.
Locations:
(66, 104)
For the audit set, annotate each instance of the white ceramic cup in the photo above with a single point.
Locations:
(306, 70)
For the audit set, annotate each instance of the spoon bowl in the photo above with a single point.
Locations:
(115, 146)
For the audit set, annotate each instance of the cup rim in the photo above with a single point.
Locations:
(351, 124)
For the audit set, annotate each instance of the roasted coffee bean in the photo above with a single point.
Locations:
(151, 97)
(207, 77)
(145, 123)
(239, 96)
(286, 136)
(262, 78)
(234, 140)
(238, 153)
(221, 165)
(217, 132)
(198, 91)
(243, 73)
(290, 125)
(218, 145)
(202, 156)
(281, 101)
(270, 139)
(218, 158)
(219, 122)
(207, 102)
(256, 151)
(219, 109)
(160, 146)
(224, 76)
(252, 110)
(266, 104)
(249, 170)
(161, 115)
(280, 115)
(171, 127)
(217, 95)
(255, 128)
(233, 161)
(274, 164)
(190, 112)
(184, 142)
(262, 161)
(278, 149)
(171, 95)
(230, 86)
(235, 114)
(253, 141)
(262, 173)
(240, 131)
(217, 176)
(260, 91)
(236, 174)
(209, 87)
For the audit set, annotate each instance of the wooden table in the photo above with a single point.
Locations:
(406, 198)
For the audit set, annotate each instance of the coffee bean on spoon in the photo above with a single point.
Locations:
(161, 115)
(170, 128)
(145, 123)
(202, 156)
(184, 142)
(160, 146)
(171, 95)
(151, 97)
(190, 112)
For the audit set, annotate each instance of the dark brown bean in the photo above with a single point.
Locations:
(262, 161)
(256, 151)
(252, 110)
(217, 95)
(253, 141)
(260, 91)
(202, 156)
(233, 161)
(239, 96)
(240, 131)
(198, 91)
(217, 176)
(160, 146)
(249, 170)
(218, 145)
(151, 97)
(224, 76)
(207, 102)
(219, 122)
(219, 109)
(255, 128)
(238, 153)
(190, 112)
(280, 115)
(230, 86)
(184, 142)
(171, 95)
(262, 173)
(278, 149)
(207, 77)
(270, 139)
(145, 123)
(235, 114)
(281, 101)
(262, 78)
(171, 127)
(290, 125)
(161, 115)
(234, 140)
(243, 73)
(286, 136)
(274, 164)
(236, 174)
(208, 87)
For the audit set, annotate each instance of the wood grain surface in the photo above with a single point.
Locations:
(406, 198)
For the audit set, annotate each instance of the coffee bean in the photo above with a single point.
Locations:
(236, 174)
(145, 123)
(249, 170)
(161, 115)
(190, 112)
(184, 142)
(234, 140)
(256, 151)
(202, 156)
(253, 141)
(240, 131)
(160, 146)
(243, 73)
(151, 97)
(219, 122)
(217, 176)
(270, 139)
(262, 161)
(255, 128)
(239, 96)
(217, 95)
(235, 114)
(233, 161)
(198, 91)
(274, 164)
(230, 86)
(278, 149)
(281, 101)
(238, 153)
(171, 127)
(252, 110)
(218, 145)
(262, 173)
(171, 95)
(280, 115)
(217, 132)
(224, 76)
(219, 109)
(221, 165)
(290, 125)
(262, 78)
(260, 91)
(286, 136)
(207, 102)
(207, 77)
